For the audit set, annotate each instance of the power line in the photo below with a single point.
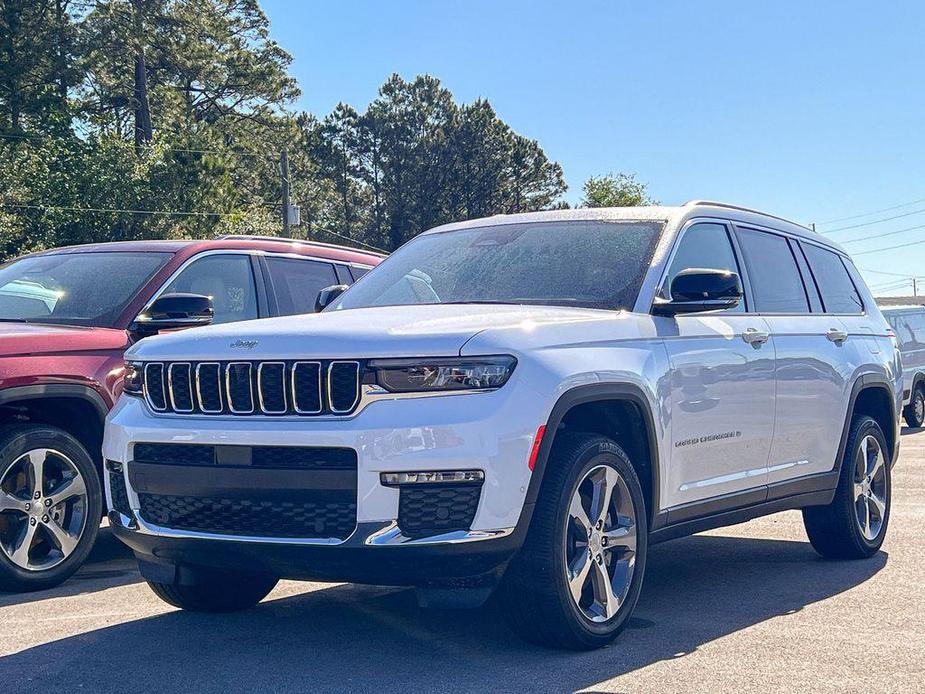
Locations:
(352, 240)
(880, 236)
(876, 221)
(890, 248)
(868, 214)
(884, 272)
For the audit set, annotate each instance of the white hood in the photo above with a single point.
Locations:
(389, 331)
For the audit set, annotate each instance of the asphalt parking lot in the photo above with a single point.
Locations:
(744, 608)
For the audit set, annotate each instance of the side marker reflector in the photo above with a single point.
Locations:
(537, 440)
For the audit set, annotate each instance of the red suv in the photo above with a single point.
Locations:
(66, 317)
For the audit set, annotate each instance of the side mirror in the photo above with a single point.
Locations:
(327, 295)
(172, 311)
(696, 290)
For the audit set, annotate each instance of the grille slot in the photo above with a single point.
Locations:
(271, 387)
(244, 387)
(239, 387)
(432, 509)
(180, 385)
(265, 457)
(154, 386)
(343, 385)
(209, 387)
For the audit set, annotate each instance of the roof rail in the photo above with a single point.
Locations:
(281, 239)
(714, 203)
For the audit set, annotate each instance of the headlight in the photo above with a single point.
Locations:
(133, 378)
(429, 375)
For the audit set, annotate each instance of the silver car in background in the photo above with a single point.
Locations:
(908, 322)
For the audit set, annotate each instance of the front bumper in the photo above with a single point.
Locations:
(485, 432)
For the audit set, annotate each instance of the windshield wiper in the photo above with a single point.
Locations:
(14, 320)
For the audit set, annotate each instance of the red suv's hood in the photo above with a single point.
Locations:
(17, 339)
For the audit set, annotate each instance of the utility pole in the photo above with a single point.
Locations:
(284, 172)
(813, 225)
(915, 288)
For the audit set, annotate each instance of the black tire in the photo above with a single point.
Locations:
(15, 441)
(534, 591)
(835, 530)
(914, 412)
(217, 591)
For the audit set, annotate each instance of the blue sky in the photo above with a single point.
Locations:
(811, 110)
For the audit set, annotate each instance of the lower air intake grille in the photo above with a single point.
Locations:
(264, 518)
(432, 509)
(119, 495)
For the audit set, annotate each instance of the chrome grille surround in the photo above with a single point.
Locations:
(272, 387)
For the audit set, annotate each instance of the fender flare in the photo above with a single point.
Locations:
(57, 390)
(868, 381)
(581, 395)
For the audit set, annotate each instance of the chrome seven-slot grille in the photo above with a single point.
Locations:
(253, 387)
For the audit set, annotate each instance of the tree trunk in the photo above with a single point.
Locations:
(143, 129)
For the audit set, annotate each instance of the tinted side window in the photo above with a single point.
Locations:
(358, 272)
(772, 273)
(227, 279)
(296, 283)
(704, 246)
(838, 292)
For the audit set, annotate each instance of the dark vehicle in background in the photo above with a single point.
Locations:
(66, 317)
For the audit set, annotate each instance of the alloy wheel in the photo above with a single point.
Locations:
(600, 543)
(43, 509)
(870, 493)
(918, 405)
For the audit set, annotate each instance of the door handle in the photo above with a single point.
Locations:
(753, 336)
(837, 336)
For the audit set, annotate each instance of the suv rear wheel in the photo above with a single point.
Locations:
(914, 412)
(854, 524)
(50, 506)
(577, 578)
(217, 591)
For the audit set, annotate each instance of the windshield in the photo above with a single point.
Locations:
(89, 289)
(587, 264)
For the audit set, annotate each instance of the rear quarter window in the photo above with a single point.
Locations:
(839, 295)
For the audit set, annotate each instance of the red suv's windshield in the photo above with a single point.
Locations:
(89, 289)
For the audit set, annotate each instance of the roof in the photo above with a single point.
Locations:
(673, 214)
(189, 247)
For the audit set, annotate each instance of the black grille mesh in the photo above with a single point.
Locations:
(266, 457)
(210, 388)
(119, 495)
(431, 509)
(343, 385)
(174, 454)
(306, 386)
(272, 387)
(239, 387)
(156, 388)
(264, 518)
(181, 389)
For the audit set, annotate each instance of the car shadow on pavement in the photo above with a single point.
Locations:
(372, 638)
(110, 564)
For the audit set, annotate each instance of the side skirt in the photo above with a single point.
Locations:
(741, 515)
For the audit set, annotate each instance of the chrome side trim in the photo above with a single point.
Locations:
(189, 375)
(392, 535)
(356, 391)
(250, 386)
(159, 365)
(218, 385)
(263, 408)
(295, 397)
(146, 528)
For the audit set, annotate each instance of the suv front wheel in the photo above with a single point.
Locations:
(914, 412)
(50, 506)
(577, 578)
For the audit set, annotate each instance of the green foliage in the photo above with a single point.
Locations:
(620, 190)
(220, 94)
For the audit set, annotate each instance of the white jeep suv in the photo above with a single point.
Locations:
(524, 403)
